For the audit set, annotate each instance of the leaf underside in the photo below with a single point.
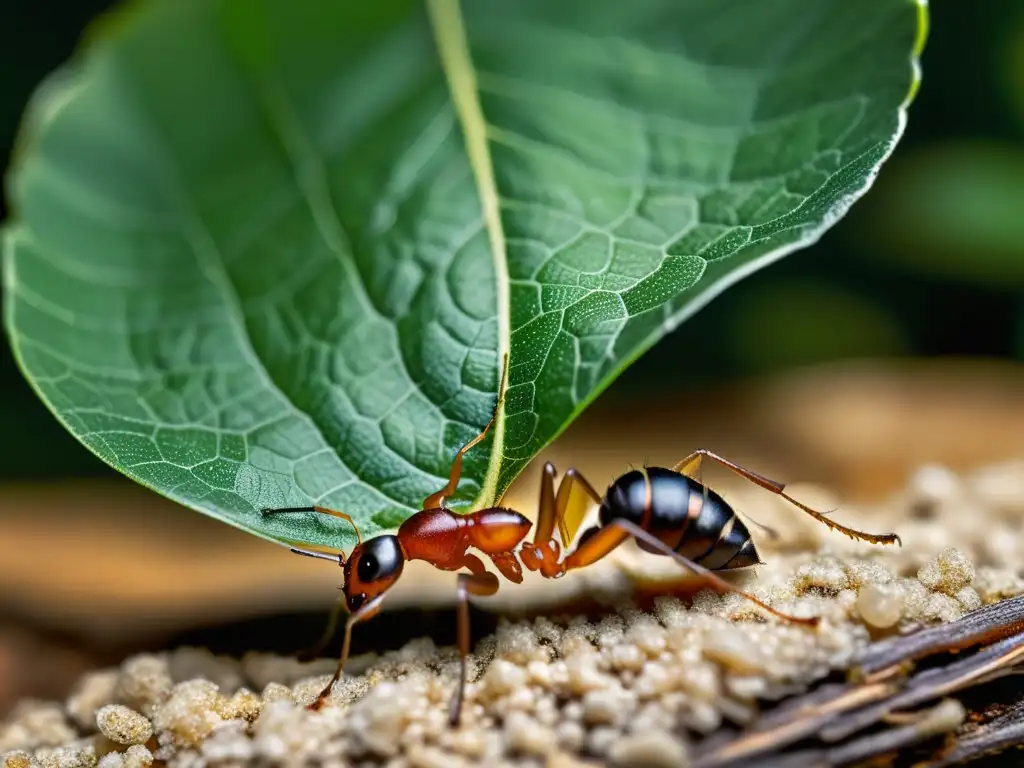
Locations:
(269, 253)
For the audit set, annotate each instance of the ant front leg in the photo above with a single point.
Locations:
(694, 460)
(324, 554)
(368, 611)
(332, 622)
(482, 583)
(436, 500)
(613, 535)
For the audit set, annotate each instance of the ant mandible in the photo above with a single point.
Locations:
(666, 511)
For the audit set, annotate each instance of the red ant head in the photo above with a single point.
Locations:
(372, 568)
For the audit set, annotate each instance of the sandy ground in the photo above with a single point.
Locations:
(635, 686)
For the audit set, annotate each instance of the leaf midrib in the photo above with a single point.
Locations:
(460, 74)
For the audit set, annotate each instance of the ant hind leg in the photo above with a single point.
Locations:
(694, 460)
(606, 539)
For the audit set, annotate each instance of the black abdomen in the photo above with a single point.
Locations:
(687, 516)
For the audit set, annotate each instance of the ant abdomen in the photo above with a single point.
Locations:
(687, 516)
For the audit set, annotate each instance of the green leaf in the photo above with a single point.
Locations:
(273, 252)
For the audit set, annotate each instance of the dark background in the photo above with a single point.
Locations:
(930, 263)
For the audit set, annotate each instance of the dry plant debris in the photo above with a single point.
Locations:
(883, 690)
(703, 682)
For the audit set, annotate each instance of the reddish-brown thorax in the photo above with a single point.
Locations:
(442, 538)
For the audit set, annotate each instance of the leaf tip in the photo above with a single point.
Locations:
(920, 40)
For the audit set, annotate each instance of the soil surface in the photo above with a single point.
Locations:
(636, 683)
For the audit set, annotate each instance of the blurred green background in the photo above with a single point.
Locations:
(929, 263)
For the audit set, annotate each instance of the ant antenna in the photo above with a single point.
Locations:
(319, 555)
(319, 510)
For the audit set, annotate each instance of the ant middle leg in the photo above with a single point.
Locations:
(693, 463)
(562, 510)
(617, 532)
(565, 511)
(482, 583)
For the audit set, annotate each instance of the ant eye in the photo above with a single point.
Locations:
(381, 559)
(368, 568)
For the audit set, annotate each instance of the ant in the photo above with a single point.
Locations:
(666, 511)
